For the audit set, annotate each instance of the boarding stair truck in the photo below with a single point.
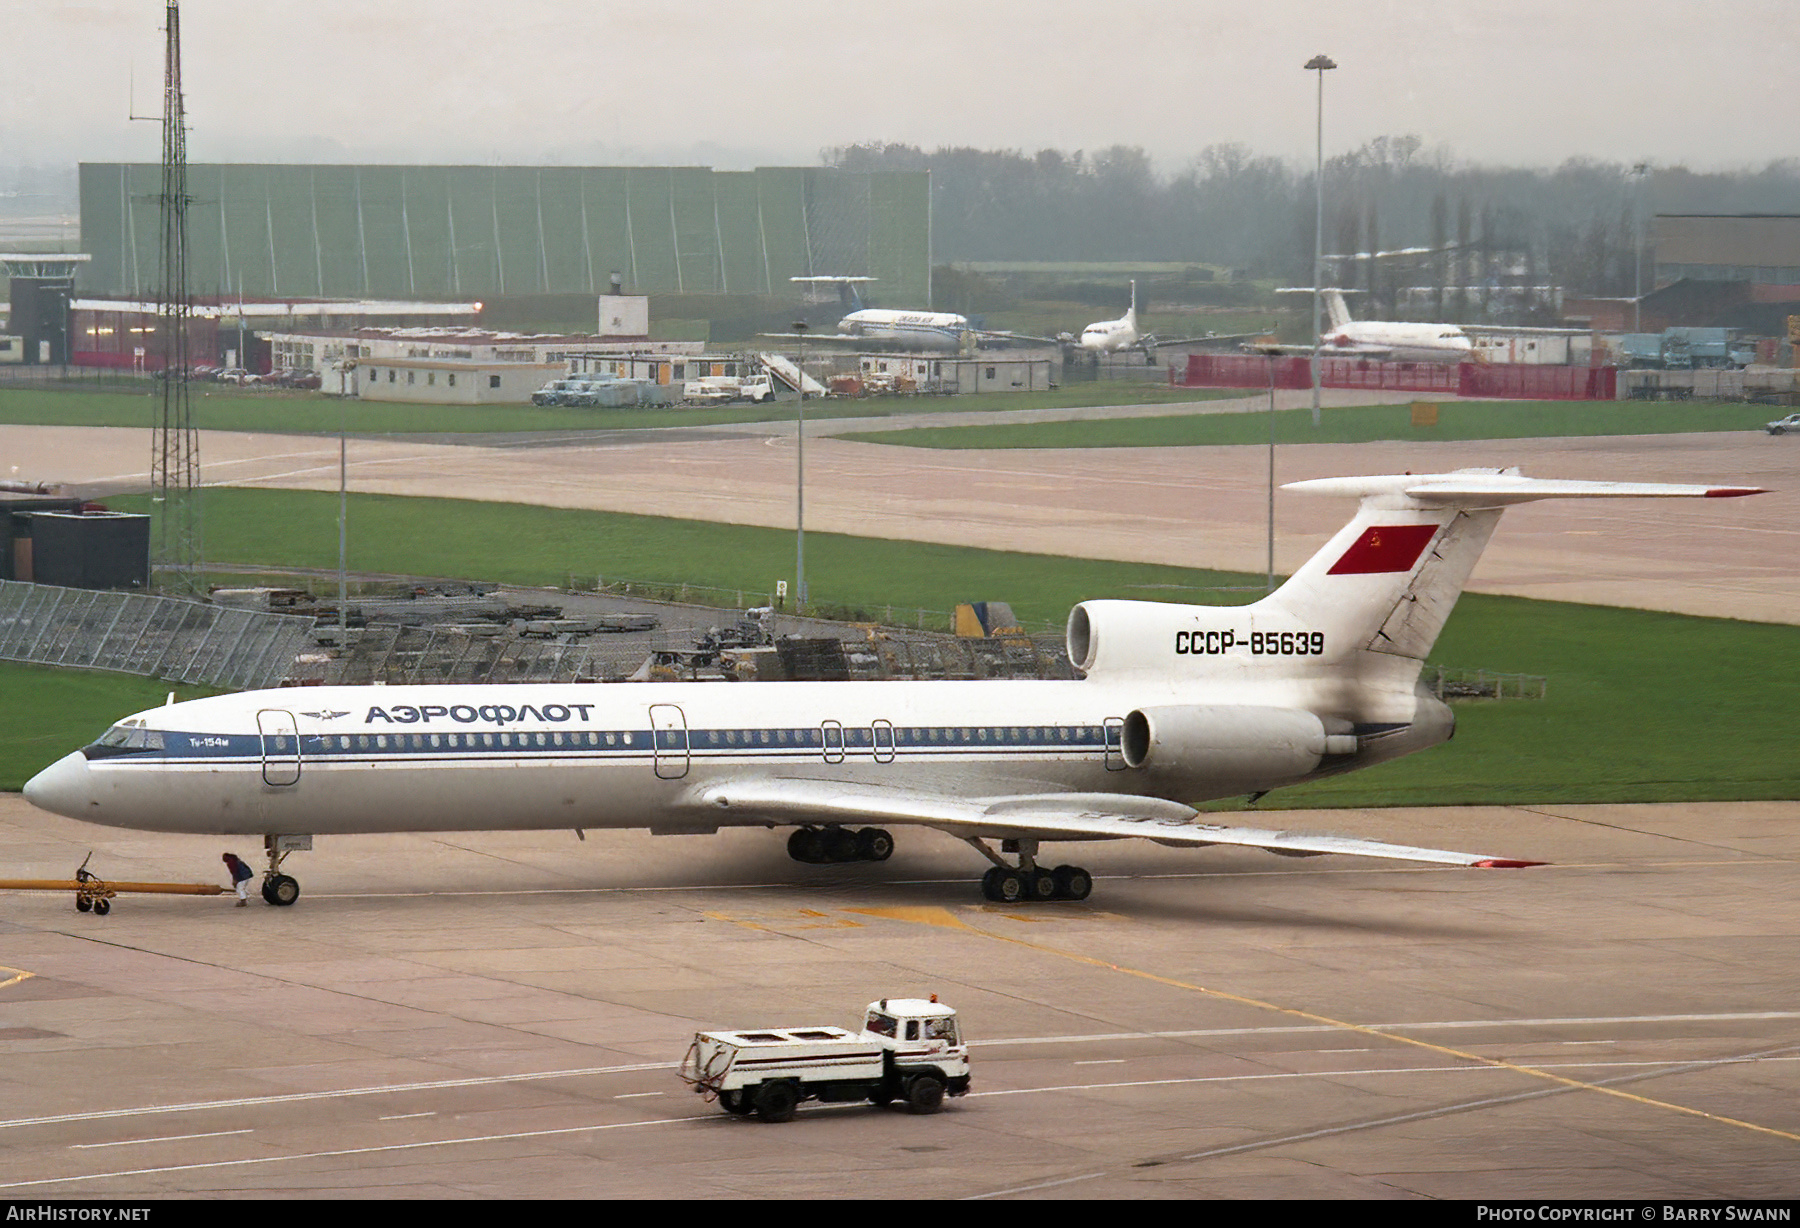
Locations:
(790, 375)
(909, 1050)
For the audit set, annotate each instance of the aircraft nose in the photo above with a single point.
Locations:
(63, 788)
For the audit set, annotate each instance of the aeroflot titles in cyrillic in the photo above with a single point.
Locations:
(468, 714)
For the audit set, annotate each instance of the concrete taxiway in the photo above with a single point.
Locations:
(1190, 507)
(498, 1016)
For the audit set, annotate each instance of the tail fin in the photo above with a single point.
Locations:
(1387, 582)
(1131, 308)
(1335, 308)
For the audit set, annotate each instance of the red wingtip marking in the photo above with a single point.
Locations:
(1501, 863)
(1734, 492)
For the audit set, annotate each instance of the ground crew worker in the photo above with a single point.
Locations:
(241, 875)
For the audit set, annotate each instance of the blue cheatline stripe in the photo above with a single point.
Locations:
(803, 744)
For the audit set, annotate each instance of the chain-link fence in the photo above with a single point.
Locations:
(159, 637)
(1448, 683)
(402, 655)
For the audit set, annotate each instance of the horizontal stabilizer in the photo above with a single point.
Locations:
(1499, 488)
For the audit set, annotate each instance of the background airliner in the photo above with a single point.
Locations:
(1115, 336)
(1394, 340)
(1176, 704)
(904, 330)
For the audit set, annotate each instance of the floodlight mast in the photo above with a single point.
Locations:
(175, 450)
(800, 477)
(1319, 64)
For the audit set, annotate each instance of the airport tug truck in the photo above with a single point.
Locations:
(910, 1049)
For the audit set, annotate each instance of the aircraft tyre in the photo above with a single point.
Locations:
(807, 844)
(874, 844)
(1040, 885)
(841, 844)
(924, 1093)
(777, 1101)
(281, 890)
(1072, 882)
(1003, 885)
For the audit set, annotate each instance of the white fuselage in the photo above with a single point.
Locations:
(1399, 341)
(440, 757)
(912, 330)
(1110, 336)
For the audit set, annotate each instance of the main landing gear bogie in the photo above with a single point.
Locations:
(1005, 885)
(1029, 883)
(823, 845)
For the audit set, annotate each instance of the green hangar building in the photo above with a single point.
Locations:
(490, 232)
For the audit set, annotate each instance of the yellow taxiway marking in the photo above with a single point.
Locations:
(942, 917)
(784, 922)
(18, 974)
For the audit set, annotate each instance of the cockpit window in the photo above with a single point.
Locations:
(126, 737)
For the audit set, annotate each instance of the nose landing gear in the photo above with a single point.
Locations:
(278, 888)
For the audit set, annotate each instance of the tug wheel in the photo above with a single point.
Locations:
(924, 1093)
(777, 1101)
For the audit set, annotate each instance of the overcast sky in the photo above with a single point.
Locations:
(1518, 82)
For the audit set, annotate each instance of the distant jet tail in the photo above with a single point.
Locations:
(849, 288)
(1132, 309)
(1335, 308)
(1337, 313)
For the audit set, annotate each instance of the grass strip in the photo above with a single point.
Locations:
(1457, 420)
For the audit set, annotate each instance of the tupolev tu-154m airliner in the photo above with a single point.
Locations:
(1175, 705)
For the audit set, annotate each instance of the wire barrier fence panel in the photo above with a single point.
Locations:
(160, 637)
(400, 656)
(1447, 683)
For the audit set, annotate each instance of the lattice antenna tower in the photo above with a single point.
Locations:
(175, 451)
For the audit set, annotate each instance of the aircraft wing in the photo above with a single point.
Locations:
(1523, 330)
(1157, 342)
(1048, 816)
(988, 334)
(1325, 351)
(830, 338)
